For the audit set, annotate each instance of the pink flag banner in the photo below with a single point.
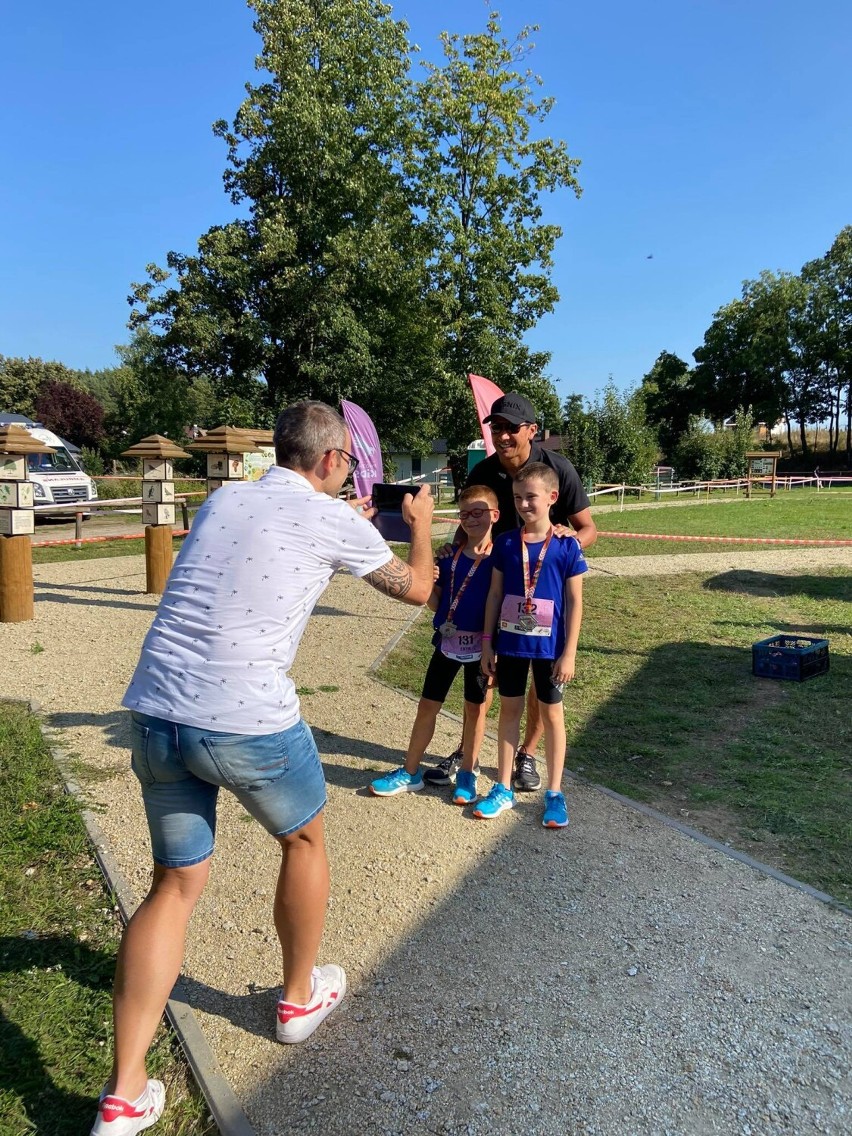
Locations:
(365, 447)
(484, 394)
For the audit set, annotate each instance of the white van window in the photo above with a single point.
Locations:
(60, 462)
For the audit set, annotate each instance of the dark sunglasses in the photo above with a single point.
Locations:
(476, 514)
(507, 427)
(353, 461)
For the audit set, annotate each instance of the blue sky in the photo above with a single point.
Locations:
(714, 134)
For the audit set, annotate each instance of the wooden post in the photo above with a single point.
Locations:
(16, 579)
(184, 509)
(158, 558)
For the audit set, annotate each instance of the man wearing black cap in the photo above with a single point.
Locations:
(513, 427)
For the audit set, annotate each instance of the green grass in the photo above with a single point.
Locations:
(114, 489)
(801, 515)
(665, 709)
(62, 553)
(59, 932)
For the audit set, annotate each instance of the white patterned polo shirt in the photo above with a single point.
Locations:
(258, 557)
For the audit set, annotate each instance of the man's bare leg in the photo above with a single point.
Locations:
(301, 900)
(149, 961)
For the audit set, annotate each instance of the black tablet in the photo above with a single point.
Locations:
(387, 499)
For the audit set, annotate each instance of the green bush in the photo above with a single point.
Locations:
(92, 462)
(707, 453)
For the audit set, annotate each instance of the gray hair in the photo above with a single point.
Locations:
(305, 431)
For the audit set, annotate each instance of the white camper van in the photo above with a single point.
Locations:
(57, 478)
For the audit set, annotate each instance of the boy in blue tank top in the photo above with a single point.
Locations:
(458, 601)
(532, 622)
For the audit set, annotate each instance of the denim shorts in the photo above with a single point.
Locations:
(278, 778)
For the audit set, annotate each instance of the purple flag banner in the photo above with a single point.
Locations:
(365, 447)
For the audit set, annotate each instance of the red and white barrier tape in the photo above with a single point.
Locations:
(727, 539)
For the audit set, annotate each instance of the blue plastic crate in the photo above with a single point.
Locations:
(796, 657)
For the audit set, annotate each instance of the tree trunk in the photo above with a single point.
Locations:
(849, 424)
(789, 434)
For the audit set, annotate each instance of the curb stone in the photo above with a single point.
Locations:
(221, 1100)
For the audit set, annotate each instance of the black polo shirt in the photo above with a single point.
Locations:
(572, 496)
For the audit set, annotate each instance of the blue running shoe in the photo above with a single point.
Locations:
(497, 801)
(465, 790)
(397, 782)
(555, 810)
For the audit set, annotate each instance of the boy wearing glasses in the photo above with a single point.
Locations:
(536, 602)
(458, 601)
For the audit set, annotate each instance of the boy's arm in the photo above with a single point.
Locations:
(564, 666)
(489, 622)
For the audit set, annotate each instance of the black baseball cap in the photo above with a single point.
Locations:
(513, 407)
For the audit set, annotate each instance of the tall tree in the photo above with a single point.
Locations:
(831, 317)
(315, 290)
(479, 174)
(22, 379)
(70, 412)
(670, 398)
(610, 440)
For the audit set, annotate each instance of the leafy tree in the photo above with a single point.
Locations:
(478, 175)
(70, 412)
(780, 347)
(610, 441)
(732, 370)
(831, 317)
(22, 379)
(316, 290)
(581, 440)
(669, 396)
(707, 453)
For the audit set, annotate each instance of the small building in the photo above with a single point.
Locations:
(430, 467)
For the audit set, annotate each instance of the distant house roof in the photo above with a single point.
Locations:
(554, 442)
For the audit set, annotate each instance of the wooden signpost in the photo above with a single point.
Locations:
(158, 505)
(17, 522)
(762, 464)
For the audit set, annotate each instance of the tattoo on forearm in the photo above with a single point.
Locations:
(393, 578)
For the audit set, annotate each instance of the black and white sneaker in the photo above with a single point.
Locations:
(444, 773)
(526, 777)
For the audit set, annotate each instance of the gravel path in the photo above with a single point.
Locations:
(617, 978)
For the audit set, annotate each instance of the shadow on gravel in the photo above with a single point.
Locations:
(98, 589)
(26, 1068)
(46, 593)
(592, 980)
(331, 744)
(115, 725)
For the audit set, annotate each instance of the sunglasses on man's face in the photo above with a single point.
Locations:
(507, 427)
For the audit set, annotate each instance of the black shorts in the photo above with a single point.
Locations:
(441, 672)
(512, 671)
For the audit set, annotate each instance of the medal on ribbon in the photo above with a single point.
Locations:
(527, 619)
(448, 628)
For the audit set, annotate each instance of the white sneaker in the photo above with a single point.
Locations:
(295, 1023)
(120, 1117)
